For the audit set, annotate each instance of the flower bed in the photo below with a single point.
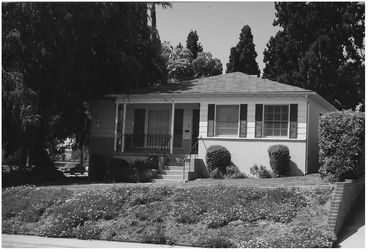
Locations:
(208, 216)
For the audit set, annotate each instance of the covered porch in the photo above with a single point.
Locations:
(156, 128)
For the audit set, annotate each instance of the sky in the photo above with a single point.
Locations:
(218, 25)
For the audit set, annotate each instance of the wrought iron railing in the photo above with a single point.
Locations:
(146, 142)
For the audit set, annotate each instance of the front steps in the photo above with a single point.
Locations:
(173, 169)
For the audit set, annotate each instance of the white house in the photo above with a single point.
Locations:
(243, 113)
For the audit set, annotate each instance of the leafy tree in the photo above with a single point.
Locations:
(179, 66)
(243, 56)
(320, 48)
(66, 54)
(192, 43)
(205, 65)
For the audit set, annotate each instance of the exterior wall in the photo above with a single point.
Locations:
(250, 150)
(314, 110)
(247, 152)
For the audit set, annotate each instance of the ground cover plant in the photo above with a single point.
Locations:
(217, 215)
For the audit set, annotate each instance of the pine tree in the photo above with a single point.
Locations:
(320, 49)
(192, 43)
(243, 57)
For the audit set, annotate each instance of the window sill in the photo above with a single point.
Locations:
(266, 139)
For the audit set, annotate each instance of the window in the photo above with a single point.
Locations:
(275, 120)
(226, 120)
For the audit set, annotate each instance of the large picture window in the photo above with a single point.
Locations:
(226, 120)
(276, 120)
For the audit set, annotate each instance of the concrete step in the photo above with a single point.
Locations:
(173, 167)
(172, 163)
(173, 172)
(170, 177)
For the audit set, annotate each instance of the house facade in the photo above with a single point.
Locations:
(243, 113)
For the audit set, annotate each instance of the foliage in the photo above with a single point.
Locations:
(142, 170)
(319, 52)
(192, 43)
(341, 144)
(56, 57)
(120, 170)
(217, 157)
(279, 158)
(195, 216)
(233, 172)
(260, 171)
(205, 65)
(97, 169)
(179, 64)
(243, 55)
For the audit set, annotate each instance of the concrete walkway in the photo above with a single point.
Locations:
(28, 241)
(353, 233)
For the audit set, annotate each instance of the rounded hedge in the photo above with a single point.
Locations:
(341, 145)
(217, 159)
(279, 159)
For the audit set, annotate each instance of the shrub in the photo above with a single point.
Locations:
(260, 172)
(279, 158)
(214, 241)
(341, 144)
(142, 171)
(120, 170)
(233, 172)
(97, 169)
(217, 157)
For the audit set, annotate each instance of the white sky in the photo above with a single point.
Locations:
(218, 25)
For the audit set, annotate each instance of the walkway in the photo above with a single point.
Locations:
(353, 233)
(28, 241)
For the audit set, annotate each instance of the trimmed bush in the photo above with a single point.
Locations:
(279, 159)
(341, 144)
(120, 170)
(233, 172)
(260, 172)
(217, 157)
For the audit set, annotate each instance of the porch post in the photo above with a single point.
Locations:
(115, 129)
(172, 128)
(124, 124)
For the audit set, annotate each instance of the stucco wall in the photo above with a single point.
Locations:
(246, 152)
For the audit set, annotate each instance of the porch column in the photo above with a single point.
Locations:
(172, 128)
(124, 124)
(115, 129)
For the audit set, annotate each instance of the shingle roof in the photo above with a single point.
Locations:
(226, 83)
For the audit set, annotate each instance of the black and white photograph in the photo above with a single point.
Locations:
(183, 124)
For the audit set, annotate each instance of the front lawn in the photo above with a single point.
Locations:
(219, 214)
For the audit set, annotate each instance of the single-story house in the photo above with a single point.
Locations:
(241, 112)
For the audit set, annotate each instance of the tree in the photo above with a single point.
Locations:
(320, 48)
(192, 43)
(68, 54)
(243, 56)
(205, 65)
(179, 65)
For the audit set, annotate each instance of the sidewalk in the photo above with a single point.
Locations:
(353, 233)
(28, 241)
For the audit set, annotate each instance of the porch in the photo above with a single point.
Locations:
(156, 128)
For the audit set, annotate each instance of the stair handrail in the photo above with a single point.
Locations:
(187, 154)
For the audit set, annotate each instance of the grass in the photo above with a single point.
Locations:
(226, 213)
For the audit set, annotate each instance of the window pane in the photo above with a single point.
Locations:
(227, 120)
(276, 120)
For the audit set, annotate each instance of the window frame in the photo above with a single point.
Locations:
(288, 122)
(237, 135)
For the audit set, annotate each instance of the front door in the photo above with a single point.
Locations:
(195, 130)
